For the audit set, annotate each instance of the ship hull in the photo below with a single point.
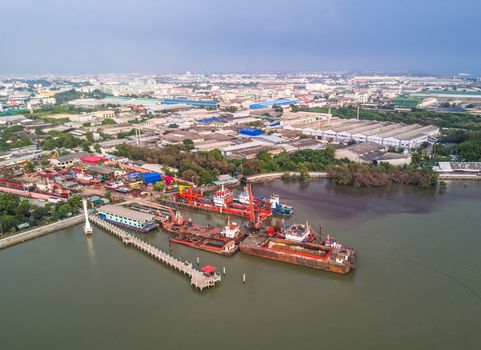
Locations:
(253, 246)
(232, 210)
(204, 246)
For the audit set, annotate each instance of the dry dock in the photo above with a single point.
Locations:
(197, 278)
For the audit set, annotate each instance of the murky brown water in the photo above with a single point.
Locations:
(418, 283)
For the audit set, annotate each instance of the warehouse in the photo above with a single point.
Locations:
(195, 103)
(268, 104)
(68, 159)
(387, 134)
(370, 152)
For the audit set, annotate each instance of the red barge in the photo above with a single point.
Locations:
(209, 238)
(300, 245)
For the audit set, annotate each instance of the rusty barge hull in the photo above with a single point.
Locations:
(203, 245)
(253, 246)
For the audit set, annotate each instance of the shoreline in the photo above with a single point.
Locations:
(40, 231)
(275, 176)
(259, 178)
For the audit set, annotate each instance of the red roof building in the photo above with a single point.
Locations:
(93, 159)
(209, 269)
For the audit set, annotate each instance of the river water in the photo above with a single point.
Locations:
(417, 286)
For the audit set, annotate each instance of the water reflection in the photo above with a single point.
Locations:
(91, 251)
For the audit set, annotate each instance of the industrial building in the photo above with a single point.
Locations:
(195, 103)
(371, 152)
(268, 104)
(68, 159)
(132, 219)
(387, 134)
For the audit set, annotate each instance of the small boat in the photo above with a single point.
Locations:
(280, 209)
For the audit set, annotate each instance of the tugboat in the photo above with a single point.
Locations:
(300, 245)
(280, 209)
(243, 196)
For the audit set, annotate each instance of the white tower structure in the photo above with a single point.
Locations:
(87, 228)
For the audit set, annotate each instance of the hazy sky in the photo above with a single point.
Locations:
(80, 36)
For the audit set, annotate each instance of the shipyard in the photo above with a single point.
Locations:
(268, 175)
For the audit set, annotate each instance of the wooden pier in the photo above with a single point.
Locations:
(198, 279)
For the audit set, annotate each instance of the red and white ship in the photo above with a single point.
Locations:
(223, 203)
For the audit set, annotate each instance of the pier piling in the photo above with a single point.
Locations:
(198, 279)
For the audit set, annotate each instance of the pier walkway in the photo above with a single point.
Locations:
(197, 278)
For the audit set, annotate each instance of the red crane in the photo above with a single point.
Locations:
(254, 219)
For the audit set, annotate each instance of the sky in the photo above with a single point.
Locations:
(158, 36)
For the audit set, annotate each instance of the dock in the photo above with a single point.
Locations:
(198, 279)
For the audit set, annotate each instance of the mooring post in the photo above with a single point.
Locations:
(244, 278)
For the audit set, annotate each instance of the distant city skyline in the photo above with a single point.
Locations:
(213, 36)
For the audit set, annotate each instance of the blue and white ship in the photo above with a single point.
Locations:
(278, 208)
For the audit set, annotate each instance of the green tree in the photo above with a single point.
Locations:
(64, 210)
(108, 121)
(189, 144)
(30, 167)
(90, 137)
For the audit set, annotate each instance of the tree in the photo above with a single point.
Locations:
(64, 210)
(8, 223)
(231, 109)
(97, 148)
(173, 126)
(90, 137)
(189, 144)
(108, 195)
(108, 121)
(30, 167)
(159, 186)
(189, 175)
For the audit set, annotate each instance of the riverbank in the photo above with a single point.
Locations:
(40, 231)
(275, 176)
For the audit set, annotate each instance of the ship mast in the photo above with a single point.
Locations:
(87, 228)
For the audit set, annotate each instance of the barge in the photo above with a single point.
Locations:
(299, 245)
(208, 238)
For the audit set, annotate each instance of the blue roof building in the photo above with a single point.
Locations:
(151, 178)
(196, 103)
(250, 132)
(267, 104)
